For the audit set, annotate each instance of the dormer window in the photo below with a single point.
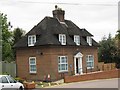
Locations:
(62, 39)
(89, 40)
(77, 39)
(31, 40)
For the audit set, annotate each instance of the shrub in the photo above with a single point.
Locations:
(19, 79)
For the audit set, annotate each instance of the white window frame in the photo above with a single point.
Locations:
(31, 40)
(89, 61)
(30, 70)
(62, 62)
(62, 39)
(89, 40)
(77, 39)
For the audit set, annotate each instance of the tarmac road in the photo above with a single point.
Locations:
(104, 83)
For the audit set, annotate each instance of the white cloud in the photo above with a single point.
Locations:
(93, 15)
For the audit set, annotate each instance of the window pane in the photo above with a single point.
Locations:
(62, 58)
(33, 40)
(66, 66)
(4, 79)
(58, 61)
(60, 38)
(59, 67)
(32, 61)
(89, 64)
(87, 58)
(64, 39)
(29, 40)
(63, 66)
(0, 80)
(10, 80)
(33, 67)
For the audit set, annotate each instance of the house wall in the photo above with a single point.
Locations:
(47, 60)
(70, 52)
(42, 61)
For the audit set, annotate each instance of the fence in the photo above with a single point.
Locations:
(8, 68)
(100, 67)
(106, 67)
(0, 67)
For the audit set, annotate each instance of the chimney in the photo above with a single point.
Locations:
(58, 13)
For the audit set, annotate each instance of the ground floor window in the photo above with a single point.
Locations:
(90, 61)
(32, 65)
(62, 63)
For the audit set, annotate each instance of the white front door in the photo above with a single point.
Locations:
(78, 64)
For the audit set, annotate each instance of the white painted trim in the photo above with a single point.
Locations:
(75, 65)
(80, 67)
(62, 63)
(89, 61)
(62, 39)
(31, 42)
(77, 39)
(78, 55)
(34, 64)
(89, 40)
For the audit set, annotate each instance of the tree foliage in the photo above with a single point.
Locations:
(9, 38)
(117, 40)
(17, 33)
(107, 50)
(6, 38)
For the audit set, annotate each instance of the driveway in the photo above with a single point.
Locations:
(104, 83)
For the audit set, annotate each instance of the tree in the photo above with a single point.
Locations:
(6, 38)
(107, 50)
(17, 33)
(117, 40)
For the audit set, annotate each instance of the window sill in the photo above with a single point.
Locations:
(90, 67)
(33, 73)
(62, 71)
(30, 45)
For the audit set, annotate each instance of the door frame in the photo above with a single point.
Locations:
(78, 57)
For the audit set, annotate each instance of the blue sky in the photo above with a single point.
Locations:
(99, 17)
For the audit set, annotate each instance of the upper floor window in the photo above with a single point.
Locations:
(31, 40)
(89, 40)
(62, 39)
(77, 39)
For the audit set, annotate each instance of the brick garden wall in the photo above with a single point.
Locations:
(92, 76)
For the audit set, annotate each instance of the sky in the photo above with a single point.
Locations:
(99, 17)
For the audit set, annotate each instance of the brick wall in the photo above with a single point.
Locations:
(47, 60)
(92, 76)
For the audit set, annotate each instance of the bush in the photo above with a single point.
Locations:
(19, 79)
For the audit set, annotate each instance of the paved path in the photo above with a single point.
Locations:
(104, 83)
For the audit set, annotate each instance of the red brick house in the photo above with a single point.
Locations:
(55, 47)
